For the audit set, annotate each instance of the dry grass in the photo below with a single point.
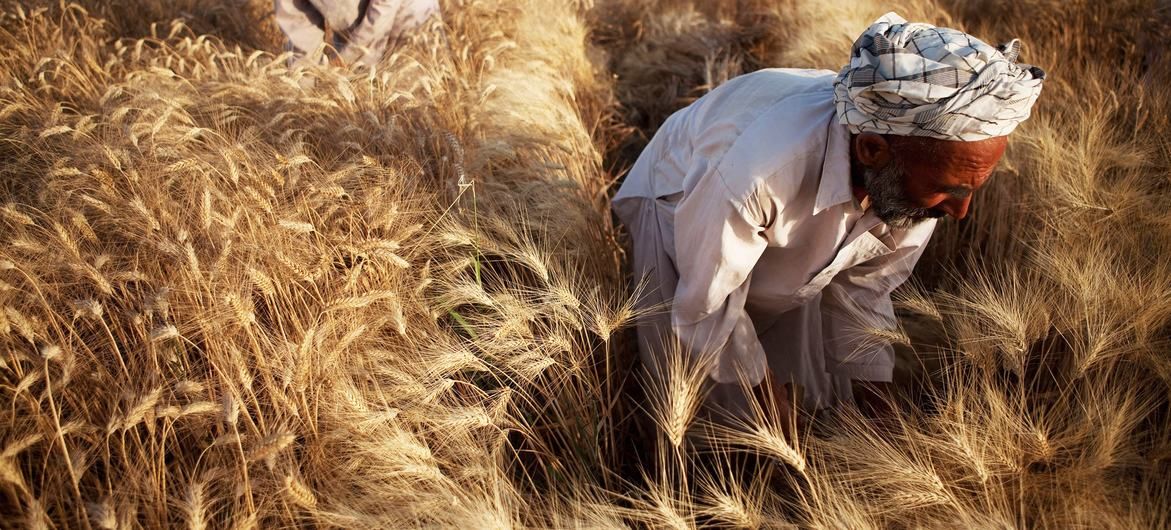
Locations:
(396, 299)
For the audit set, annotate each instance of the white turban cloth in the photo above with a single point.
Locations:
(920, 80)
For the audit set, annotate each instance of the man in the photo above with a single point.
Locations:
(363, 29)
(776, 214)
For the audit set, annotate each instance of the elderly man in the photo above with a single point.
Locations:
(775, 215)
(363, 29)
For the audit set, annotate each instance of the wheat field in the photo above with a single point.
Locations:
(239, 295)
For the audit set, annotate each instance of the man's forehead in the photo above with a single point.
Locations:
(960, 164)
(957, 170)
(976, 150)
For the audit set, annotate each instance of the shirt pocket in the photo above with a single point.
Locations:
(815, 285)
(862, 249)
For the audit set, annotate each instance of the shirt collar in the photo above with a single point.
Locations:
(834, 187)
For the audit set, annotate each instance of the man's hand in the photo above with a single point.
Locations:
(875, 400)
(777, 401)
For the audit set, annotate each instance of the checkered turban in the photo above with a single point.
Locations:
(920, 80)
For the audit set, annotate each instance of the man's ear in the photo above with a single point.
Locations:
(872, 150)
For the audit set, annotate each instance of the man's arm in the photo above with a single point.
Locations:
(718, 241)
(383, 20)
(302, 24)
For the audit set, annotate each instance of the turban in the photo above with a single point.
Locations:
(920, 80)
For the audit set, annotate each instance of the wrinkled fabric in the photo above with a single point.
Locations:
(794, 345)
(741, 212)
(913, 79)
(364, 29)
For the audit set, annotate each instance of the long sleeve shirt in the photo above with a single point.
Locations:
(755, 176)
(366, 27)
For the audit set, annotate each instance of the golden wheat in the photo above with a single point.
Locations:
(395, 298)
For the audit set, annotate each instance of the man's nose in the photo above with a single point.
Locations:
(957, 208)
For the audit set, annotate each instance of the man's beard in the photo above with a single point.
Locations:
(889, 198)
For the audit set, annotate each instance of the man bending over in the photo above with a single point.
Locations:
(775, 215)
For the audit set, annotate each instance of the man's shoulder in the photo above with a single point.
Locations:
(779, 82)
(792, 75)
(753, 92)
(786, 140)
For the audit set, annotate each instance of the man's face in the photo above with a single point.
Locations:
(925, 178)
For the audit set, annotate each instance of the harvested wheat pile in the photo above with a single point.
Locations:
(395, 298)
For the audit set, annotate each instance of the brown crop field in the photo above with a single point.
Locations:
(239, 295)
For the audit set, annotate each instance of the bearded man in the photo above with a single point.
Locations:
(775, 215)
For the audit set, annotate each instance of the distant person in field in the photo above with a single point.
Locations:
(775, 215)
(363, 30)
